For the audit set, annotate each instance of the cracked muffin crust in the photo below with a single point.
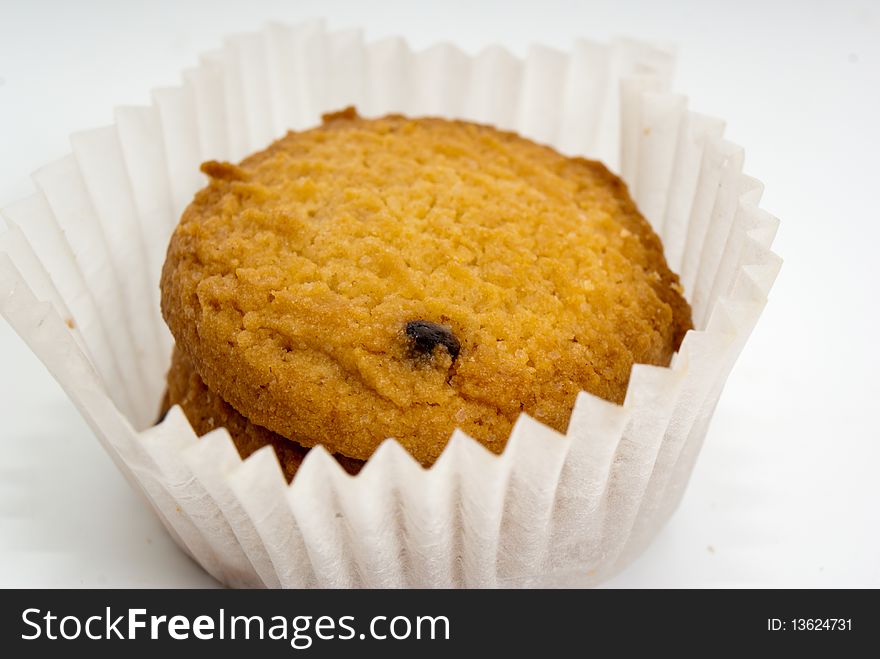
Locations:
(399, 277)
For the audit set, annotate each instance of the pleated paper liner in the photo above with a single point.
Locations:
(79, 271)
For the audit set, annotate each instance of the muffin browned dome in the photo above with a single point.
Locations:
(396, 277)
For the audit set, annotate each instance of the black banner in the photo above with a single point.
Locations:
(318, 623)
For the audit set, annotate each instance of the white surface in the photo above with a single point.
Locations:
(786, 490)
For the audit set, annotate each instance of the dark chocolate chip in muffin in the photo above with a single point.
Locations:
(425, 336)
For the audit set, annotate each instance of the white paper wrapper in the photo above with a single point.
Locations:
(80, 262)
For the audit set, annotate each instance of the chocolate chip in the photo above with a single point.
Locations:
(426, 336)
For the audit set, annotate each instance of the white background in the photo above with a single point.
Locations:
(787, 490)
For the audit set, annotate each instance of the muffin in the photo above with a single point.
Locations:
(397, 277)
(553, 511)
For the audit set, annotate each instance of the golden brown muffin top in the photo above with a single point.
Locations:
(401, 277)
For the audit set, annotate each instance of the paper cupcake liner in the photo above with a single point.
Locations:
(80, 261)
